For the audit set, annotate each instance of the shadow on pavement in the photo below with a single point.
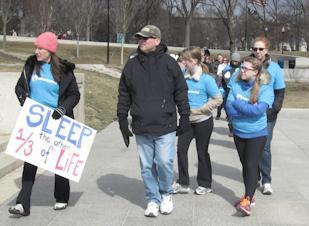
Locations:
(43, 192)
(221, 130)
(128, 188)
(226, 171)
(223, 143)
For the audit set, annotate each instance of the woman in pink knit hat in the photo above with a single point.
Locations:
(50, 81)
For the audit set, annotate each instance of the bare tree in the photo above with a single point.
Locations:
(294, 17)
(92, 7)
(274, 13)
(271, 17)
(76, 18)
(170, 7)
(226, 11)
(126, 11)
(305, 24)
(186, 10)
(6, 10)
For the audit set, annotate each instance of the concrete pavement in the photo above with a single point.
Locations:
(111, 190)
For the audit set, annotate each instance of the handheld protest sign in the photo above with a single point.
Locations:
(59, 146)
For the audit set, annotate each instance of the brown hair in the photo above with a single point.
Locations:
(256, 65)
(195, 53)
(264, 40)
(55, 64)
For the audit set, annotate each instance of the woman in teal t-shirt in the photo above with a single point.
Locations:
(249, 97)
(204, 96)
(49, 80)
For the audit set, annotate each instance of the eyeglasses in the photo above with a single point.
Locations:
(246, 68)
(256, 49)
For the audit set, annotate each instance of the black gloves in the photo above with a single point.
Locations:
(58, 112)
(184, 125)
(124, 128)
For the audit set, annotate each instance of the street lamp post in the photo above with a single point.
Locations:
(107, 47)
(282, 32)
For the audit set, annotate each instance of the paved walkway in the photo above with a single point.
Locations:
(111, 190)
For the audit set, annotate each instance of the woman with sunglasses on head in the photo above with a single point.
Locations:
(249, 97)
(50, 81)
(260, 48)
(204, 96)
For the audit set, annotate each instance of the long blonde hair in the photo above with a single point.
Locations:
(194, 52)
(262, 77)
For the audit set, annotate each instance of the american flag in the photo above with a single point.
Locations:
(259, 2)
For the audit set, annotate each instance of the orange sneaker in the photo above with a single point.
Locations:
(244, 206)
(252, 203)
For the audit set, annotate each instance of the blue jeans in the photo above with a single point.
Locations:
(265, 162)
(156, 154)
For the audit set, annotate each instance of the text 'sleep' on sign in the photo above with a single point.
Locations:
(59, 146)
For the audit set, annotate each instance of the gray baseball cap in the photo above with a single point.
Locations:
(149, 31)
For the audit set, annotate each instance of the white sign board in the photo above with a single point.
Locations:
(59, 146)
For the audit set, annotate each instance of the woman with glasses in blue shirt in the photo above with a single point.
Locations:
(248, 100)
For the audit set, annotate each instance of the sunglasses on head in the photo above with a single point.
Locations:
(256, 49)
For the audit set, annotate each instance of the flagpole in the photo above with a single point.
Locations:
(246, 27)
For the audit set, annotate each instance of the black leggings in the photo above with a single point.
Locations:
(61, 190)
(250, 152)
(201, 132)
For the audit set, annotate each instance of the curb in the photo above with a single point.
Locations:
(8, 164)
(3, 146)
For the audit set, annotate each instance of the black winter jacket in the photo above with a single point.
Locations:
(68, 91)
(151, 85)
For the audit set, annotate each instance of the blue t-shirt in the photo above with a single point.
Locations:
(277, 77)
(250, 126)
(200, 91)
(44, 89)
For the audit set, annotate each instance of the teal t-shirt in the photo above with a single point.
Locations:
(277, 77)
(250, 125)
(44, 89)
(200, 91)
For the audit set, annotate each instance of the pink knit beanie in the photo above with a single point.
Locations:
(48, 41)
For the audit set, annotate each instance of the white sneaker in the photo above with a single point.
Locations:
(167, 205)
(60, 206)
(267, 190)
(18, 209)
(178, 188)
(202, 190)
(152, 210)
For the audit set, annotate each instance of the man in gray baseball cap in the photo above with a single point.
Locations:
(149, 31)
(150, 87)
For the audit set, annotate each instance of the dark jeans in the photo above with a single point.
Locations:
(265, 162)
(201, 132)
(250, 152)
(61, 190)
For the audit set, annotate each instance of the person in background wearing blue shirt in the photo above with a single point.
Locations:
(260, 48)
(247, 103)
(204, 96)
(226, 75)
(50, 81)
